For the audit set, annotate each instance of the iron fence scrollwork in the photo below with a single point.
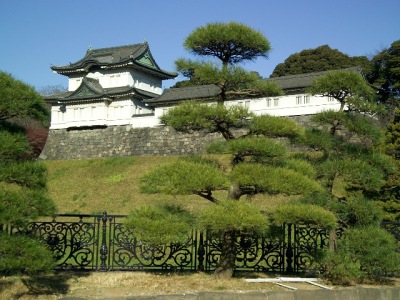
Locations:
(103, 243)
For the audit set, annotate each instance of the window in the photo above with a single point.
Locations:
(93, 112)
(269, 102)
(276, 101)
(247, 104)
(298, 100)
(306, 99)
(331, 99)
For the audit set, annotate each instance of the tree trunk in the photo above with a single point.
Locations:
(332, 241)
(228, 249)
(234, 192)
(228, 256)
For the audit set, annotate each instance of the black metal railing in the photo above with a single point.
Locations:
(103, 243)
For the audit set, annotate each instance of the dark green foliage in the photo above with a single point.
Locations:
(363, 128)
(392, 136)
(272, 126)
(17, 208)
(13, 145)
(256, 178)
(23, 195)
(355, 173)
(365, 252)
(317, 139)
(308, 214)
(23, 255)
(230, 42)
(161, 224)
(19, 99)
(391, 210)
(385, 74)
(302, 166)
(25, 174)
(191, 116)
(323, 199)
(322, 58)
(226, 44)
(232, 215)
(347, 87)
(256, 148)
(388, 197)
(184, 177)
(360, 211)
(350, 212)
(328, 118)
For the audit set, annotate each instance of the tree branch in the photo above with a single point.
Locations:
(207, 195)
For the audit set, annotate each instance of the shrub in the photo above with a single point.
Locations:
(368, 252)
(232, 215)
(158, 225)
(22, 254)
(304, 214)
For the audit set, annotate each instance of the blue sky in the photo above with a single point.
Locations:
(35, 34)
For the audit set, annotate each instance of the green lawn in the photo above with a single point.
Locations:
(112, 185)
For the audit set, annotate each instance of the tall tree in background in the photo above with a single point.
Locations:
(385, 77)
(23, 195)
(322, 58)
(259, 164)
(226, 45)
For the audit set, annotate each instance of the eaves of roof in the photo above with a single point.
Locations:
(106, 94)
(204, 92)
(115, 57)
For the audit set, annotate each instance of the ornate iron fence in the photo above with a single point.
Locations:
(103, 243)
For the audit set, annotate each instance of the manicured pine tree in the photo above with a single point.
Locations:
(259, 163)
(352, 167)
(23, 195)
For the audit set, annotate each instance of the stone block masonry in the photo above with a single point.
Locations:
(124, 141)
(127, 141)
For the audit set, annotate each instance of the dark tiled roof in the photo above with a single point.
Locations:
(114, 57)
(90, 89)
(287, 83)
(186, 93)
(302, 80)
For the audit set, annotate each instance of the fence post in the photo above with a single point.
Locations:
(103, 248)
(201, 252)
(289, 250)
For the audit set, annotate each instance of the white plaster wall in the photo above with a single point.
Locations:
(74, 82)
(146, 82)
(124, 77)
(95, 114)
(133, 112)
(287, 105)
(78, 115)
(145, 121)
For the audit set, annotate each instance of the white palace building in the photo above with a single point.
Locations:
(123, 86)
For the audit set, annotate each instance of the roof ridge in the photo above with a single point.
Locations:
(193, 87)
(118, 47)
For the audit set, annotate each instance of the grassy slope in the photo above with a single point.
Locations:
(112, 185)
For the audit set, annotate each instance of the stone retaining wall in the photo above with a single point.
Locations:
(123, 141)
(126, 141)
